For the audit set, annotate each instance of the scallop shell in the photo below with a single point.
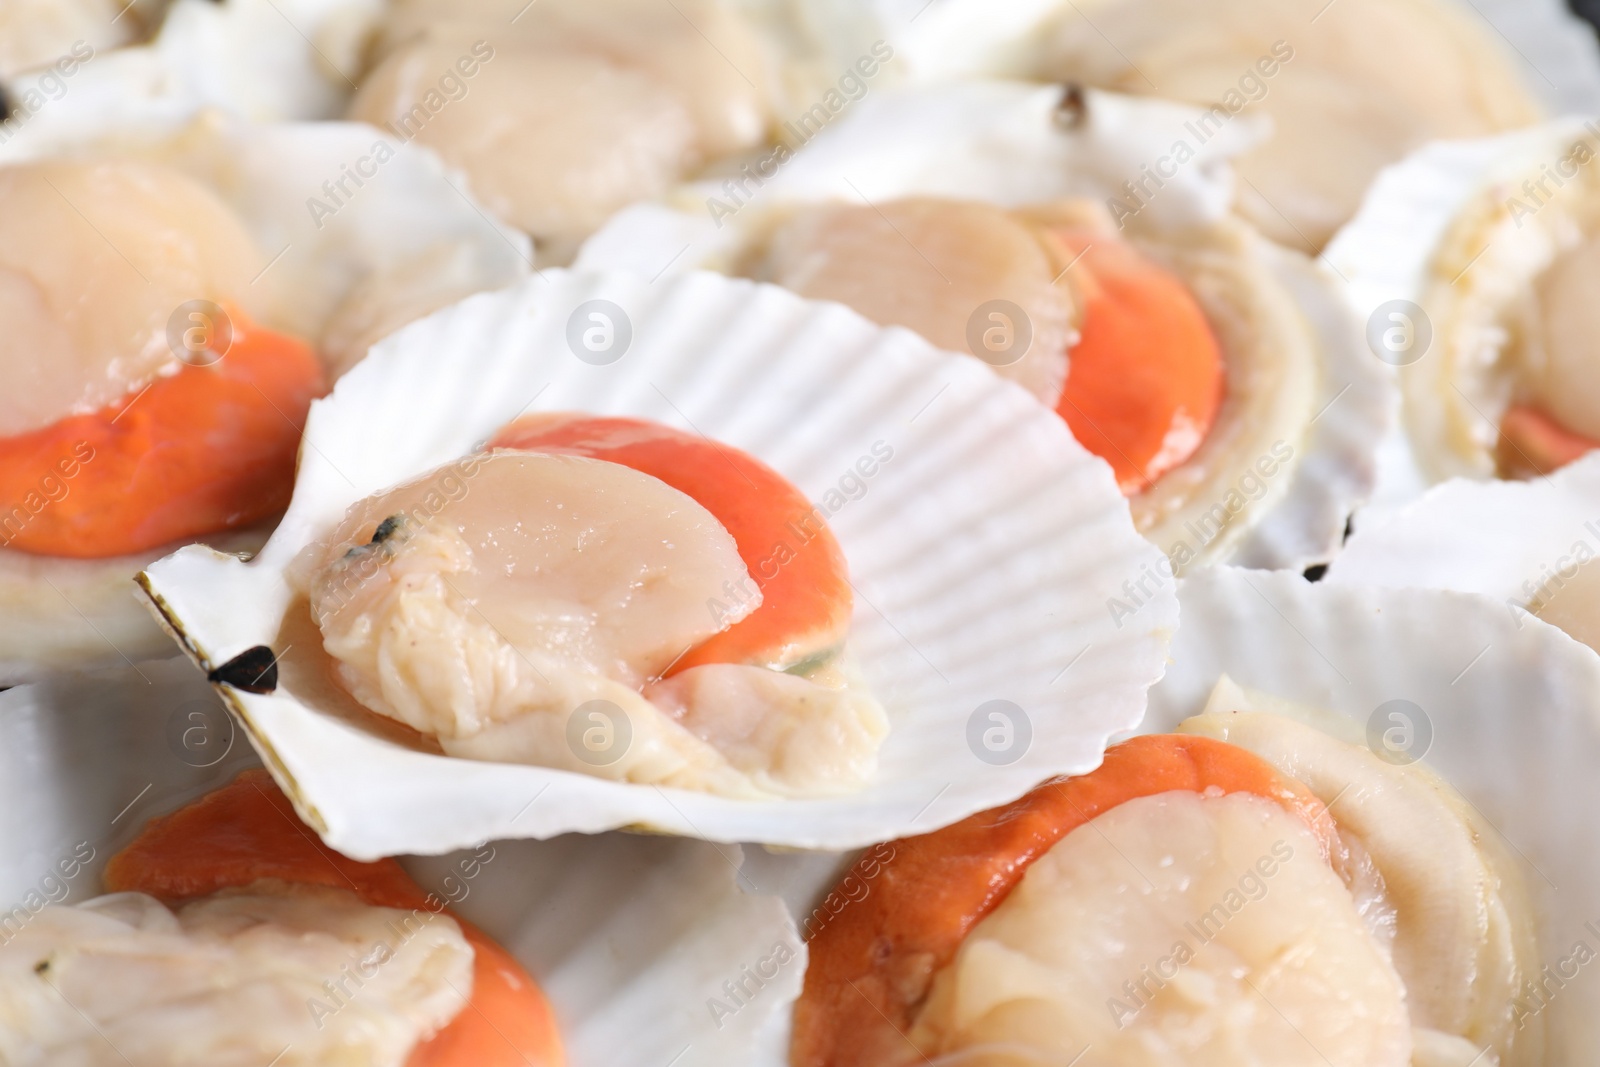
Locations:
(1555, 50)
(267, 60)
(1010, 143)
(629, 936)
(985, 554)
(66, 614)
(1513, 714)
(1356, 408)
(86, 613)
(1440, 230)
(1014, 144)
(1502, 540)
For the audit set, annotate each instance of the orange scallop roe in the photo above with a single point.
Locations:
(248, 830)
(1146, 377)
(871, 964)
(786, 545)
(1532, 443)
(206, 449)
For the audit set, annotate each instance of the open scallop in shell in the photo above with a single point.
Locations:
(1527, 545)
(328, 235)
(984, 552)
(632, 938)
(1341, 109)
(1470, 261)
(1368, 697)
(1349, 88)
(934, 206)
(1503, 710)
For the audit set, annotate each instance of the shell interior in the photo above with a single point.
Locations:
(666, 921)
(1306, 368)
(1509, 541)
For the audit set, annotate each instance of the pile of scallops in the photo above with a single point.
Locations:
(799, 533)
